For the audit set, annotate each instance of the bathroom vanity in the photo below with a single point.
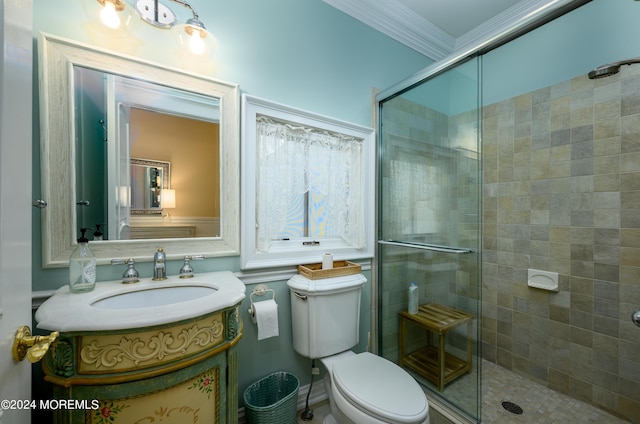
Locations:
(183, 369)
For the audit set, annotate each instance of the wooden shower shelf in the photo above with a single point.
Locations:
(433, 362)
(426, 362)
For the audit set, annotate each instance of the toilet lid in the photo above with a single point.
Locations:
(381, 388)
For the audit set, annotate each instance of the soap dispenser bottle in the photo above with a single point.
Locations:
(97, 236)
(82, 266)
(413, 299)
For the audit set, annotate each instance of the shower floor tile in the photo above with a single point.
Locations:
(540, 404)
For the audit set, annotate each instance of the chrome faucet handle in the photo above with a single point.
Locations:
(130, 275)
(187, 270)
(159, 265)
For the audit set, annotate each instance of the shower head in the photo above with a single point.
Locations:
(611, 68)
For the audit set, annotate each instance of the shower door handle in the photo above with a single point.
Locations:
(426, 246)
(635, 317)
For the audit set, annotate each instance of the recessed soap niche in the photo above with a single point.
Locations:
(543, 280)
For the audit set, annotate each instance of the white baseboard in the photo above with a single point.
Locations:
(318, 394)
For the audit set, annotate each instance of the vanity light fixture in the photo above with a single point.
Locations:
(192, 33)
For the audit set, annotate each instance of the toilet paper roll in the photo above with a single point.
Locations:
(327, 261)
(266, 315)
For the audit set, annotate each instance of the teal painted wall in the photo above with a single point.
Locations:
(304, 54)
(602, 31)
(599, 32)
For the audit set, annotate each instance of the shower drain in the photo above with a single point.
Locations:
(512, 407)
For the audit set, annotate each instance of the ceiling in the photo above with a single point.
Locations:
(445, 14)
(436, 28)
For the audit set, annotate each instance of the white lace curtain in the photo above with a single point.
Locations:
(294, 161)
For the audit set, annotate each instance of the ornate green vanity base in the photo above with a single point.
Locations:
(179, 373)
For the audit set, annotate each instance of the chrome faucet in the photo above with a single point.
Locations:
(159, 265)
(187, 270)
(130, 275)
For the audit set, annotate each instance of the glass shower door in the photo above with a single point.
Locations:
(429, 233)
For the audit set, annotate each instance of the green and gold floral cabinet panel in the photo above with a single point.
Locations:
(182, 373)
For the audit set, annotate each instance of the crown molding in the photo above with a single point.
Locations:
(547, 11)
(400, 23)
(407, 27)
(501, 22)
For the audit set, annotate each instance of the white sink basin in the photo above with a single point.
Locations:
(116, 306)
(152, 297)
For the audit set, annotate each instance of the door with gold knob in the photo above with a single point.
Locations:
(30, 347)
(16, 40)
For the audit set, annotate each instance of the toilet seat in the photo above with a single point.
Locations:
(378, 388)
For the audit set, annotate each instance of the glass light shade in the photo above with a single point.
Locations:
(109, 15)
(114, 15)
(168, 198)
(196, 39)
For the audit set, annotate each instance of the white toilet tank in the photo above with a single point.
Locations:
(325, 314)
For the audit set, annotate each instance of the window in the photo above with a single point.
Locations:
(307, 187)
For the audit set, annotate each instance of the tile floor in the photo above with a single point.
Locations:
(540, 404)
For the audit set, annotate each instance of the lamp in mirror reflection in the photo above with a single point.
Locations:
(192, 34)
(168, 202)
(123, 196)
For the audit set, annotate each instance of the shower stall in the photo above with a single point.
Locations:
(517, 155)
(429, 232)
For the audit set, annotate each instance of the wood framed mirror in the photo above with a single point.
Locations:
(57, 59)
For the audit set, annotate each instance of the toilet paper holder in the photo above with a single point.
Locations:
(259, 290)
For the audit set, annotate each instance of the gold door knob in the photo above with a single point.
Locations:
(31, 347)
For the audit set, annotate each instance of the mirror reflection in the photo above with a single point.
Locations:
(89, 136)
(147, 158)
(149, 185)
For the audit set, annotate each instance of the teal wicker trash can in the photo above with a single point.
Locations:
(272, 399)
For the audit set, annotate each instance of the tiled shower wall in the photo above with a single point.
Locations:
(561, 192)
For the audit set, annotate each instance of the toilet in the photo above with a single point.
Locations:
(363, 388)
